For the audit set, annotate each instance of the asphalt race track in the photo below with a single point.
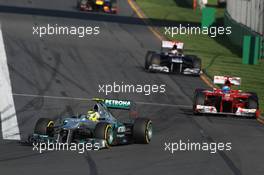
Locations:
(67, 66)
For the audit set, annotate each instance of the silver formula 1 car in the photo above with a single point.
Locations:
(172, 60)
(97, 126)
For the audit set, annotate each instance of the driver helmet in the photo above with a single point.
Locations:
(174, 49)
(226, 89)
(93, 115)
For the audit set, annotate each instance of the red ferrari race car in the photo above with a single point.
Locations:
(107, 6)
(226, 101)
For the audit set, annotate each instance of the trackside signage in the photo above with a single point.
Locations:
(118, 104)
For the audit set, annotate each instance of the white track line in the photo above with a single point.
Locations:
(52, 97)
(10, 129)
(90, 99)
(163, 104)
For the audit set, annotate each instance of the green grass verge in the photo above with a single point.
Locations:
(218, 57)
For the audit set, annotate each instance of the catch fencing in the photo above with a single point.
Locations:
(248, 12)
(246, 17)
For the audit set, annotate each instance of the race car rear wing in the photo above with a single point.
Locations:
(170, 44)
(114, 103)
(223, 79)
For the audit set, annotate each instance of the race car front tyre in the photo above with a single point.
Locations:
(199, 99)
(142, 131)
(78, 4)
(44, 126)
(252, 103)
(148, 59)
(155, 59)
(253, 95)
(104, 131)
(196, 63)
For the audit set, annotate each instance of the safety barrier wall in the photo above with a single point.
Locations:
(238, 30)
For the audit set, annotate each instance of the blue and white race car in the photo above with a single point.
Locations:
(98, 125)
(172, 60)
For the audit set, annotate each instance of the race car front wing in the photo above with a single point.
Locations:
(165, 69)
(213, 110)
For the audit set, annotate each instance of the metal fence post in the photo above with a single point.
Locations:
(262, 47)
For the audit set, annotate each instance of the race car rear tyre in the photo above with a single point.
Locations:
(221, 3)
(104, 131)
(199, 99)
(142, 130)
(148, 59)
(44, 126)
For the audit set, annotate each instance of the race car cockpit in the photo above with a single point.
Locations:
(99, 112)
